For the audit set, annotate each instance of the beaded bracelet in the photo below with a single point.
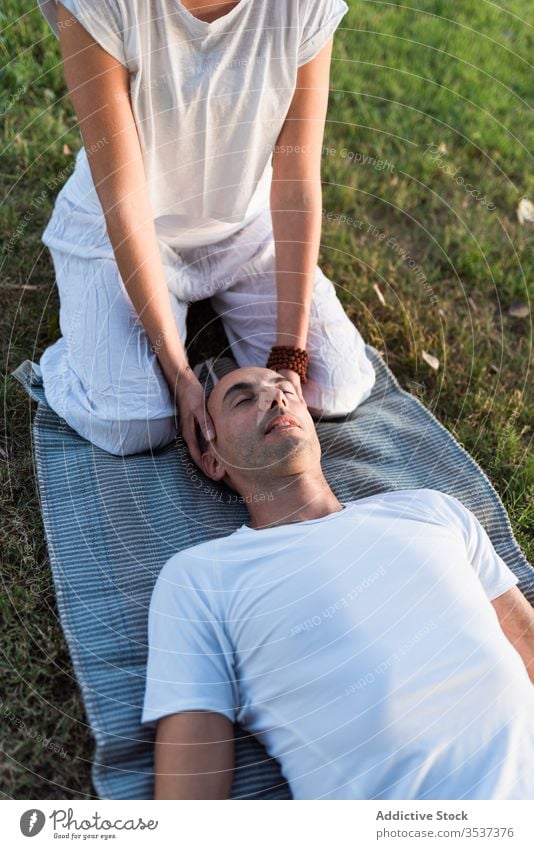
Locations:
(286, 356)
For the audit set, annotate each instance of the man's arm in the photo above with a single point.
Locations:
(516, 617)
(515, 614)
(194, 756)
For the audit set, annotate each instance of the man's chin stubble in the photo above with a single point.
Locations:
(284, 450)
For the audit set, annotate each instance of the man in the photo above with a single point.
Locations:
(379, 648)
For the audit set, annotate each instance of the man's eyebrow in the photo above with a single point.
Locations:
(245, 385)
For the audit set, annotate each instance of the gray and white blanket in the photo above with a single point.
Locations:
(112, 522)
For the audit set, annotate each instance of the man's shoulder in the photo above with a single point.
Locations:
(194, 556)
(200, 555)
(420, 501)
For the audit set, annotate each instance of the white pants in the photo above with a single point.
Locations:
(102, 376)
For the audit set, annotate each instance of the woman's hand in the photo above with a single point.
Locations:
(192, 407)
(294, 377)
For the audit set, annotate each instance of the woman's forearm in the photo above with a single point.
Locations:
(297, 220)
(99, 88)
(132, 234)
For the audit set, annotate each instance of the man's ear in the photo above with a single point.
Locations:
(211, 465)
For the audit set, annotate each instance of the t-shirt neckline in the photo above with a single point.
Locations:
(328, 516)
(205, 26)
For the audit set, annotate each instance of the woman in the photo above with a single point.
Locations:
(202, 125)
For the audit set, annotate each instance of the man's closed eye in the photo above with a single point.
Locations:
(288, 391)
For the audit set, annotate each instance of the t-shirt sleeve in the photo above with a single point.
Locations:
(493, 573)
(320, 19)
(102, 20)
(190, 659)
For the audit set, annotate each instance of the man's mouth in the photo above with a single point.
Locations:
(280, 423)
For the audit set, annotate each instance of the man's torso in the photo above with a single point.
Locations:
(370, 660)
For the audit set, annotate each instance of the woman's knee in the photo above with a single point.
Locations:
(340, 377)
(340, 374)
(135, 437)
(329, 401)
(127, 437)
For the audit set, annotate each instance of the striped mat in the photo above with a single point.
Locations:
(112, 522)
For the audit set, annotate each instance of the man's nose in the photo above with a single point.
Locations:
(279, 399)
(271, 397)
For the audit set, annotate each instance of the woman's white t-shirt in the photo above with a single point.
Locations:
(209, 101)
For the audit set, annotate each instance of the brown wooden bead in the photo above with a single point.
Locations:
(287, 357)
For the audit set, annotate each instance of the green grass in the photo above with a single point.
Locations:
(403, 78)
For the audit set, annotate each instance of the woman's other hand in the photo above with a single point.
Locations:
(192, 407)
(294, 377)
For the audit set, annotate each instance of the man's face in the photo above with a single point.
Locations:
(264, 430)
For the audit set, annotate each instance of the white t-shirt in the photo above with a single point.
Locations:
(209, 100)
(361, 648)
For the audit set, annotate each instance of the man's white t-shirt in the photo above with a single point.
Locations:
(209, 101)
(361, 648)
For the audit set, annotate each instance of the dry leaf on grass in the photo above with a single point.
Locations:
(379, 294)
(525, 211)
(472, 304)
(432, 361)
(518, 309)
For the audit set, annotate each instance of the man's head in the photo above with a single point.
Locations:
(264, 431)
